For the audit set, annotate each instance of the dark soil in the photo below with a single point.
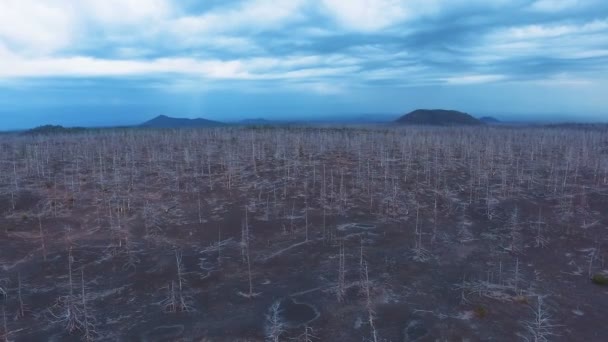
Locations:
(412, 234)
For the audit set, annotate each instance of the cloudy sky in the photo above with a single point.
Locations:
(106, 62)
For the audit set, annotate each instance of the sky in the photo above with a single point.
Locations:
(119, 62)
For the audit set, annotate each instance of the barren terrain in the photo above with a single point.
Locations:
(306, 234)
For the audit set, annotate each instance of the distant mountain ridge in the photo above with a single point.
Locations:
(53, 129)
(163, 121)
(438, 117)
(257, 121)
(490, 120)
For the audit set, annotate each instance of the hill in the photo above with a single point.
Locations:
(163, 121)
(348, 119)
(258, 122)
(489, 120)
(438, 117)
(53, 129)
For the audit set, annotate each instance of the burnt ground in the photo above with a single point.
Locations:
(157, 236)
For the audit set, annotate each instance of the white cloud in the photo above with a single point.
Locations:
(320, 88)
(125, 12)
(250, 16)
(529, 32)
(556, 5)
(555, 41)
(35, 27)
(58, 38)
(473, 79)
(216, 42)
(376, 15)
(564, 79)
(132, 52)
(296, 67)
(91, 67)
(591, 53)
(367, 15)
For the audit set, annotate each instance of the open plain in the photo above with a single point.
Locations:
(305, 234)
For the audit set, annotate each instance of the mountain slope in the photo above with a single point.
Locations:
(258, 122)
(489, 120)
(163, 121)
(438, 117)
(53, 129)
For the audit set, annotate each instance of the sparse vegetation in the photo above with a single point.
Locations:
(480, 311)
(387, 233)
(600, 279)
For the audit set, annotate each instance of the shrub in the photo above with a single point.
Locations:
(480, 311)
(600, 279)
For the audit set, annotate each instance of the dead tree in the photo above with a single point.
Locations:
(540, 238)
(67, 310)
(420, 253)
(307, 335)
(247, 256)
(3, 294)
(541, 327)
(5, 331)
(275, 326)
(42, 241)
(341, 286)
(369, 306)
(176, 300)
(22, 307)
(89, 332)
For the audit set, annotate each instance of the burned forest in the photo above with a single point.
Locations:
(305, 234)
